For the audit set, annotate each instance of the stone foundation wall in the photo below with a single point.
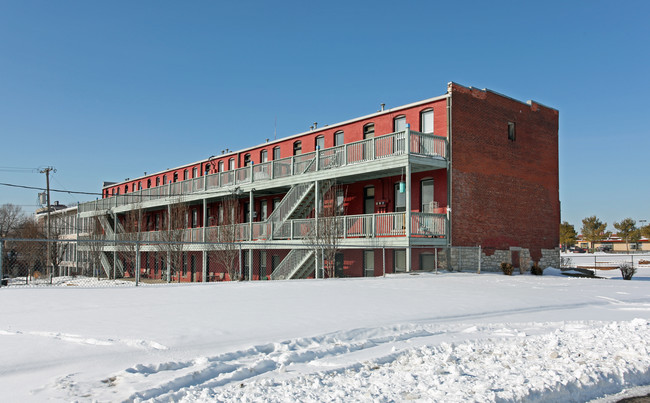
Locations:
(467, 259)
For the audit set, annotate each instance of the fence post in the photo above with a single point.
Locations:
(436, 259)
(2, 241)
(383, 256)
(479, 259)
(240, 263)
(137, 263)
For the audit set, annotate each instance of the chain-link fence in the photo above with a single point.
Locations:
(99, 262)
(604, 261)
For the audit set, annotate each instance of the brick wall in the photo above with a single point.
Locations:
(504, 193)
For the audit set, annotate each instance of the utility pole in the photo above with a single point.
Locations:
(47, 171)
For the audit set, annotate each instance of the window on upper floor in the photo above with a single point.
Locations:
(320, 142)
(185, 175)
(139, 185)
(297, 147)
(157, 180)
(264, 156)
(231, 164)
(426, 121)
(148, 183)
(133, 187)
(276, 153)
(512, 135)
(400, 199)
(164, 179)
(247, 160)
(399, 124)
(338, 138)
(369, 131)
(126, 189)
(175, 177)
(220, 166)
(195, 172)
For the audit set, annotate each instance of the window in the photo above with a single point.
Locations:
(185, 175)
(338, 138)
(175, 177)
(133, 187)
(139, 185)
(247, 160)
(195, 172)
(399, 260)
(426, 195)
(297, 148)
(340, 201)
(399, 124)
(164, 179)
(264, 156)
(426, 121)
(400, 199)
(369, 131)
(220, 215)
(195, 218)
(276, 153)
(231, 164)
(157, 180)
(263, 210)
(511, 131)
(220, 166)
(320, 142)
(263, 272)
(276, 203)
(148, 183)
(126, 189)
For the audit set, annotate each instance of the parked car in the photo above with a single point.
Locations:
(577, 249)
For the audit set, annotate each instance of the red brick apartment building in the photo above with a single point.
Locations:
(467, 168)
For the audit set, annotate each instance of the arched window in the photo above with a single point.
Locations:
(247, 160)
(231, 164)
(175, 177)
(338, 138)
(426, 121)
(264, 157)
(139, 185)
(164, 179)
(126, 189)
(157, 180)
(399, 123)
(276, 153)
(133, 187)
(195, 172)
(320, 142)
(369, 131)
(220, 166)
(185, 175)
(148, 183)
(297, 147)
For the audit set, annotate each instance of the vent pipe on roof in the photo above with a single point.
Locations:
(315, 125)
(382, 107)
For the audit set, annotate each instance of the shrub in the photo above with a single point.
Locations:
(506, 268)
(536, 270)
(627, 270)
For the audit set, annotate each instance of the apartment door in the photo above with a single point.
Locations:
(368, 208)
(338, 265)
(368, 263)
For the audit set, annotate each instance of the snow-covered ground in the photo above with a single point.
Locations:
(426, 337)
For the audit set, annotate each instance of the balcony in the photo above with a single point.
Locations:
(380, 148)
(354, 227)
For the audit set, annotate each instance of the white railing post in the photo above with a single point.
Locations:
(317, 158)
(292, 165)
(407, 134)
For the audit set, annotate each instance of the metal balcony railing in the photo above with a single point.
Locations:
(351, 226)
(380, 147)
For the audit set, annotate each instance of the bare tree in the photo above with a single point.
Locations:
(131, 238)
(11, 216)
(95, 246)
(224, 237)
(170, 239)
(30, 255)
(326, 235)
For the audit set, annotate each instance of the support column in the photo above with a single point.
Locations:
(250, 214)
(204, 266)
(250, 264)
(316, 233)
(407, 225)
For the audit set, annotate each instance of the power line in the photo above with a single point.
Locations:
(51, 190)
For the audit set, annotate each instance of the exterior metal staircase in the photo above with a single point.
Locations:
(297, 203)
(297, 264)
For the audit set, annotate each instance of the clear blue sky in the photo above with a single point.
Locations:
(108, 90)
